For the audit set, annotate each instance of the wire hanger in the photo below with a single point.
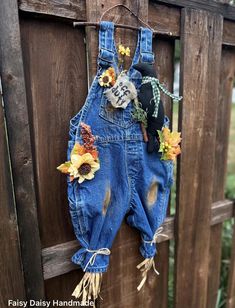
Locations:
(96, 24)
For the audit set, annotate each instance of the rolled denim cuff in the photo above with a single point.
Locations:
(90, 263)
(148, 250)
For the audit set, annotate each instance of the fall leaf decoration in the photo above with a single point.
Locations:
(84, 160)
(169, 143)
(88, 140)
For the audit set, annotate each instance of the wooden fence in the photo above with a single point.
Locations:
(45, 65)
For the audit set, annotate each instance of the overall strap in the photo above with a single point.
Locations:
(106, 44)
(146, 53)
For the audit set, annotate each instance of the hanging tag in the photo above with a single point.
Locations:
(122, 92)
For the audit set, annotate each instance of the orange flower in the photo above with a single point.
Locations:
(169, 144)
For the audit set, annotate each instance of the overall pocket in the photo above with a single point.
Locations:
(117, 116)
(76, 203)
(169, 164)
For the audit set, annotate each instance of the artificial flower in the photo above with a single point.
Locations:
(86, 167)
(82, 167)
(84, 160)
(107, 78)
(124, 51)
(128, 52)
(169, 144)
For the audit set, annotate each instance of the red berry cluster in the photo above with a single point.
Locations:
(87, 137)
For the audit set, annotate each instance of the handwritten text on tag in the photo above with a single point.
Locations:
(122, 92)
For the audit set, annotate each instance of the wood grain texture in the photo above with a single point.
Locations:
(57, 258)
(231, 282)
(164, 64)
(227, 74)
(229, 33)
(56, 83)
(11, 278)
(17, 120)
(56, 80)
(216, 7)
(230, 66)
(201, 39)
(71, 9)
(164, 18)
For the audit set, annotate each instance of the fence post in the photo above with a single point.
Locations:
(11, 278)
(201, 40)
(221, 151)
(14, 96)
(231, 282)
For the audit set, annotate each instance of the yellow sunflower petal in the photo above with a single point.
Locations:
(87, 157)
(89, 176)
(81, 179)
(73, 171)
(95, 166)
(77, 160)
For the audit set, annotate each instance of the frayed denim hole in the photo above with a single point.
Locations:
(152, 193)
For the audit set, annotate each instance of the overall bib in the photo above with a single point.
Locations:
(130, 182)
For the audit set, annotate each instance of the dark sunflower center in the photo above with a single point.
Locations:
(105, 79)
(84, 169)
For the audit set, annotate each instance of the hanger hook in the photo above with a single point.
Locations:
(132, 13)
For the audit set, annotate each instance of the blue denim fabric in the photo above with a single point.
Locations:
(126, 169)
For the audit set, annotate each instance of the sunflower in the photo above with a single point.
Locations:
(86, 166)
(83, 164)
(107, 78)
(169, 144)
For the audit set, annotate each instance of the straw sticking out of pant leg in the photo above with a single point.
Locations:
(89, 287)
(144, 267)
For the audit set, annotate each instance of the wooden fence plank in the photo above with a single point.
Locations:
(229, 33)
(164, 63)
(56, 86)
(71, 9)
(17, 120)
(56, 89)
(224, 9)
(165, 20)
(231, 282)
(11, 278)
(221, 150)
(201, 39)
(57, 258)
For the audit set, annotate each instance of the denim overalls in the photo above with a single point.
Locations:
(130, 183)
